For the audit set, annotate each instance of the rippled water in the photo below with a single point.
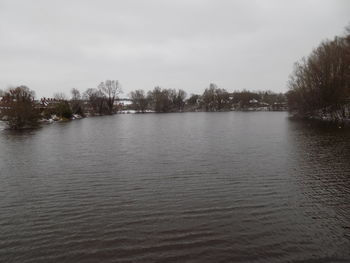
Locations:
(192, 187)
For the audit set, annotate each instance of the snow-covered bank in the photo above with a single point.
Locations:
(340, 116)
(134, 111)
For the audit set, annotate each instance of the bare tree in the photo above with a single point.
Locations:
(76, 102)
(111, 89)
(216, 99)
(167, 100)
(75, 94)
(97, 101)
(18, 108)
(160, 99)
(180, 100)
(139, 100)
(193, 100)
(60, 96)
(320, 83)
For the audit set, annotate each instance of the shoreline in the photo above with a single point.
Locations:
(321, 118)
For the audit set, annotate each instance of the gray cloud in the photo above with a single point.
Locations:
(57, 45)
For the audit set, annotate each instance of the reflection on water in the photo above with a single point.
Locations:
(194, 187)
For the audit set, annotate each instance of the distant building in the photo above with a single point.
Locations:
(253, 101)
(122, 103)
(279, 106)
(45, 103)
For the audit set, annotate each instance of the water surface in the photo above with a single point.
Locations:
(192, 187)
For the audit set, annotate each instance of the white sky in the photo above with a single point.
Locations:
(54, 46)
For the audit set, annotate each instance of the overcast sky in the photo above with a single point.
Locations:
(54, 46)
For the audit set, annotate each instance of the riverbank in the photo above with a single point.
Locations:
(338, 117)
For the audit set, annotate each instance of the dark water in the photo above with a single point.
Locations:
(193, 187)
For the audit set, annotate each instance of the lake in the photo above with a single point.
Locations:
(180, 187)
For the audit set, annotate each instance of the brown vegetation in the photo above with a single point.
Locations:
(320, 84)
(18, 108)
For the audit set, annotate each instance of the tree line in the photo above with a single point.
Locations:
(212, 99)
(19, 108)
(319, 86)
